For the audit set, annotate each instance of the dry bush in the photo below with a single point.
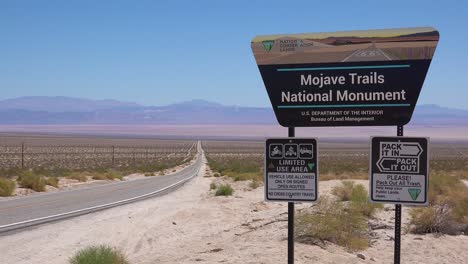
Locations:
(332, 221)
(344, 166)
(345, 176)
(28, 179)
(344, 191)
(358, 196)
(224, 190)
(254, 184)
(360, 202)
(448, 207)
(432, 219)
(79, 176)
(213, 186)
(239, 168)
(7, 187)
(99, 255)
(52, 181)
(108, 175)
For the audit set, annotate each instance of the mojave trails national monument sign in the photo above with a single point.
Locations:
(349, 78)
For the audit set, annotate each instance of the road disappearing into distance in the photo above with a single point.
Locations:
(37, 209)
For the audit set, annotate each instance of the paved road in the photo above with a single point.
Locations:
(36, 209)
(372, 53)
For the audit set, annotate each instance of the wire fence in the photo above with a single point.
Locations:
(89, 156)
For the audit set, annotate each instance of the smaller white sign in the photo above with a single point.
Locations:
(399, 169)
(291, 169)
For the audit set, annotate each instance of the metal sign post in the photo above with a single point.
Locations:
(291, 209)
(397, 249)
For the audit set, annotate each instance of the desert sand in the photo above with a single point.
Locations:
(191, 225)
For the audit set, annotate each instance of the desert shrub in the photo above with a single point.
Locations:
(344, 191)
(460, 211)
(432, 219)
(108, 175)
(149, 174)
(52, 181)
(28, 179)
(344, 176)
(333, 222)
(113, 174)
(7, 187)
(224, 190)
(10, 172)
(52, 171)
(344, 166)
(99, 176)
(247, 176)
(360, 202)
(239, 168)
(213, 186)
(99, 255)
(79, 176)
(254, 184)
(448, 207)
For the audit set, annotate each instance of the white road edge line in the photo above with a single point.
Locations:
(41, 220)
(352, 54)
(386, 56)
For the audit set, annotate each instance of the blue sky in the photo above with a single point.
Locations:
(161, 52)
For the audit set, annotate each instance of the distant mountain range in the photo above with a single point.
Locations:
(67, 110)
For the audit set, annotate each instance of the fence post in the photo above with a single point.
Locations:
(113, 155)
(22, 155)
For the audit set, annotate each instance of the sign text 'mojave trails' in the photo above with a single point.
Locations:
(361, 82)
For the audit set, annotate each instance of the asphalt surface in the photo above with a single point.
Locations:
(42, 208)
(371, 53)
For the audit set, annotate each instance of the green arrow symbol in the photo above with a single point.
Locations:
(311, 165)
(414, 193)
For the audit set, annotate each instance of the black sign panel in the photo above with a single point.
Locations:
(399, 170)
(355, 78)
(291, 167)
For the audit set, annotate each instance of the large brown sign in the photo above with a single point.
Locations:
(350, 78)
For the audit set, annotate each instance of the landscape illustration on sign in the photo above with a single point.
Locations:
(347, 46)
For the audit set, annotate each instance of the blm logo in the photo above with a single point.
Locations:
(268, 44)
